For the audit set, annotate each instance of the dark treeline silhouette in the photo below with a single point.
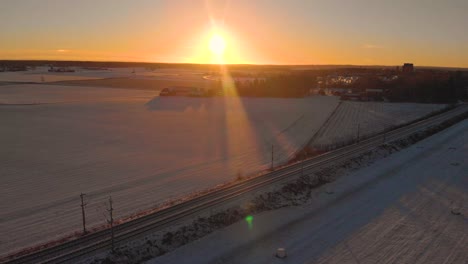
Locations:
(276, 86)
(423, 87)
(430, 86)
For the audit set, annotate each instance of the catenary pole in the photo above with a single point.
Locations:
(83, 215)
(111, 211)
(272, 153)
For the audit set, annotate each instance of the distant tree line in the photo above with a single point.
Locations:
(430, 86)
(424, 87)
(285, 86)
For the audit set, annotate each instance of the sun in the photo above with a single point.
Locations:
(217, 45)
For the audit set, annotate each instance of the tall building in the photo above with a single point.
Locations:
(407, 68)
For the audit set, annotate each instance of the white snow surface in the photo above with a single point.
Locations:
(140, 148)
(361, 119)
(397, 210)
(42, 75)
(35, 94)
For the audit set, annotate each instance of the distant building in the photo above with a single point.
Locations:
(184, 91)
(407, 68)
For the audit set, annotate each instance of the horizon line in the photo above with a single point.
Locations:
(237, 64)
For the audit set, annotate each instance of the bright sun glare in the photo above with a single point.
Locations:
(217, 45)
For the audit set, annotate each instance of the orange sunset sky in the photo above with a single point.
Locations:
(361, 32)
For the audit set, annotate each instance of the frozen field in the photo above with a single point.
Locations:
(36, 94)
(371, 117)
(58, 141)
(133, 145)
(398, 210)
(41, 74)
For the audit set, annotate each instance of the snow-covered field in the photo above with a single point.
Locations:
(58, 141)
(397, 210)
(140, 148)
(41, 74)
(361, 119)
(54, 94)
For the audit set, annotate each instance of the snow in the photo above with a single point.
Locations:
(397, 210)
(52, 94)
(42, 75)
(371, 117)
(58, 141)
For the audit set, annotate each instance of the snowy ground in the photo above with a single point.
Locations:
(369, 118)
(397, 210)
(54, 94)
(41, 74)
(58, 141)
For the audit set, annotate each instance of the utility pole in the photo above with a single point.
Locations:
(302, 168)
(111, 209)
(272, 152)
(83, 213)
(358, 125)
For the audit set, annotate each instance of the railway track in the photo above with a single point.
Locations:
(99, 241)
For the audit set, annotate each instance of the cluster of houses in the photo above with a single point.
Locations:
(352, 95)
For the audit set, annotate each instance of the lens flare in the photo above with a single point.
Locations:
(249, 220)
